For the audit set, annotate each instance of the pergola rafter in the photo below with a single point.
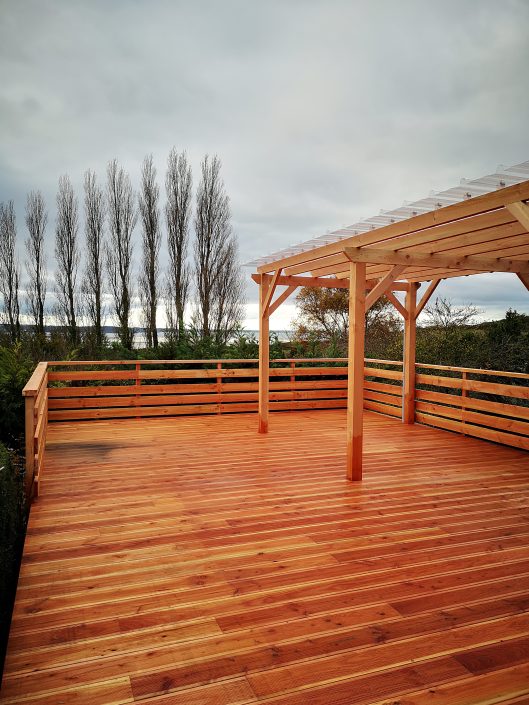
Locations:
(487, 233)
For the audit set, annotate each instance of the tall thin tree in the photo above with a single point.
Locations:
(9, 269)
(93, 283)
(67, 256)
(178, 185)
(151, 240)
(36, 221)
(218, 279)
(121, 221)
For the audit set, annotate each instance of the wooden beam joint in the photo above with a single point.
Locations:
(426, 296)
(520, 211)
(384, 285)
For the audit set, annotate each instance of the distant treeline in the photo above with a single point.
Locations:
(447, 334)
(209, 280)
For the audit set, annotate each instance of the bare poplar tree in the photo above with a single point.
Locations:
(9, 269)
(443, 314)
(94, 206)
(36, 221)
(121, 221)
(67, 257)
(178, 184)
(219, 283)
(151, 240)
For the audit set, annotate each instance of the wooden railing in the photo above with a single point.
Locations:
(383, 387)
(483, 403)
(104, 390)
(36, 423)
(453, 398)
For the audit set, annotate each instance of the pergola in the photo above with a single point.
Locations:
(398, 251)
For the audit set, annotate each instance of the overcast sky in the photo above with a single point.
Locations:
(322, 112)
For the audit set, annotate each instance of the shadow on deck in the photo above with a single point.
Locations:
(190, 560)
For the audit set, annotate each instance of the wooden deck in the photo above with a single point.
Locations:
(191, 561)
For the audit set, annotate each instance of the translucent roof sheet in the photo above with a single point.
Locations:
(503, 176)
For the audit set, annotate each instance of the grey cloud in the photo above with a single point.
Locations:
(323, 112)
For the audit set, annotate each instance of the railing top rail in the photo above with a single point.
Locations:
(397, 363)
(206, 361)
(35, 381)
(209, 361)
(474, 371)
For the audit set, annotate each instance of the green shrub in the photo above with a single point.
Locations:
(16, 368)
(12, 529)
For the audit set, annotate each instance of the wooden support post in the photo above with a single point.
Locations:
(264, 353)
(355, 374)
(408, 384)
(30, 445)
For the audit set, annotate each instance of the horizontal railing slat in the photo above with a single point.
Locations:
(493, 407)
(471, 385)
(477, 431)
(445, 396)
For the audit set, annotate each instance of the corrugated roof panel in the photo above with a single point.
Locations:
(504, 176)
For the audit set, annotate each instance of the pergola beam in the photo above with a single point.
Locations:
(510, 240)
(325, 282)
(420, 259)
(325, 262)
(520, 211)
(328, 282)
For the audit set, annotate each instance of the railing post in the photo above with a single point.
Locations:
(30, 445)
(293, 383)
(219, 389)
(138, 383)
(464, 395)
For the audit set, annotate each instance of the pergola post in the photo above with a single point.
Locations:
(264, 353)
(355, 374)
(408, 384)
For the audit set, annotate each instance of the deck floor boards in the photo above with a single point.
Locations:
(192, 561)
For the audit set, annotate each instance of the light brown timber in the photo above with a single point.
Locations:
(410, 333)
(426, 296)
(414, 258)
(264, 355)
(520, 211)
(355, 376)
(194, 562)
(384, 285)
